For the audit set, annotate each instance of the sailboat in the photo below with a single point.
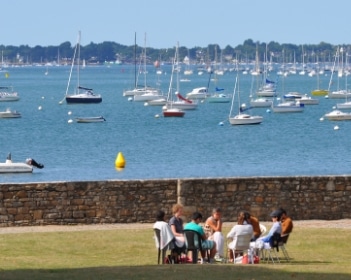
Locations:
(218, 96)
(290, 106)
(303, 72)
(169, 110)
(181, 102)
(319, 91)
(339, 93)
(149, 92)
(241, 118)
(81, 94)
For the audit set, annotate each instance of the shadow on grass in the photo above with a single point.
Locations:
(186, 271)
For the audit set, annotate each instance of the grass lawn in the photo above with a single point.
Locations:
(131, 254)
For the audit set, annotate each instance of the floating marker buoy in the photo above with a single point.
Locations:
(39, 108)
(326, 96)
(268, 111)
(221, 124)
(70, 121)
(120, 161)
(130, 99)
(157, 116)
(321, 119)
(334, 107)
(336, 127)
(43, 97)
(69, 113)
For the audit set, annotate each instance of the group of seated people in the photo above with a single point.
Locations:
(211, 233)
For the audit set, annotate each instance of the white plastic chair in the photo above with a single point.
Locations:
(263, 229)
(242, 244)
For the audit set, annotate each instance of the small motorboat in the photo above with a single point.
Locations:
(90, 119)
(19, 167)
(10, 114)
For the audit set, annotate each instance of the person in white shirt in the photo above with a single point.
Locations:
(243, 227)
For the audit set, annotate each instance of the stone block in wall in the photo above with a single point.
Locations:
(330, 186)
(90, 213)
(4, 218)
(37, 214)
(100, 213)
(21, 194)
(78, 214)
(22, 217)
(12, 211)
(51, 216)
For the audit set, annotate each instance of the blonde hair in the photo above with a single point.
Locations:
(176, 208)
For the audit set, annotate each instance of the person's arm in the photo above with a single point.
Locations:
(214, 225)
(175, 233)
(231, 233)
(271, 232)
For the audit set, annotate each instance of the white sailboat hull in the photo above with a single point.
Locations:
(16, 167)
(243, 119)
(337, 115)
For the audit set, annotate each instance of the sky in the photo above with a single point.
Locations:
(192, 23)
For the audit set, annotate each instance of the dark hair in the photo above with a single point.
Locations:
(242, 218)
(197, 215)
(247, 215)
(160, 216)
(282, 211)
(216, 210)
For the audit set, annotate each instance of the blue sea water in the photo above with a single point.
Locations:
(189, 147)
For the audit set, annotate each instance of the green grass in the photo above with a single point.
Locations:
(131, 254)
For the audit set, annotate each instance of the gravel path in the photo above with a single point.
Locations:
(345, 223)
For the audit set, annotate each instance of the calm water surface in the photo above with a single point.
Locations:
(193, 146)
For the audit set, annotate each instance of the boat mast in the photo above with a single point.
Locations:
(135, 63)
(78, 58)
(177, 65)
(72, 65)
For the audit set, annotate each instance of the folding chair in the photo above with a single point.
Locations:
(169, 246)
(241, 245)
(272, 247)
(193, 241)
(263, 229)
(281, 245)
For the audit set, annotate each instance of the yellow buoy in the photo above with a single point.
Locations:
(120, 161)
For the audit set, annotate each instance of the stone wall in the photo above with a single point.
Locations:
(68, 203)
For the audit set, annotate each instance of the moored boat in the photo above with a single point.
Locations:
(18, 167)
(338, 115)
(10, 114)
(173, 112)
(90, 119)
(7, 95)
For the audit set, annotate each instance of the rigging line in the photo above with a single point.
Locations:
(70, 73)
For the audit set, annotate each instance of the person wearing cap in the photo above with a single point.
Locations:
(286, 222)
(276, 227)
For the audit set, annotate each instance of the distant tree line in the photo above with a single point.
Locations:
(111, 52)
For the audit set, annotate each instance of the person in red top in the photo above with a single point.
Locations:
(255, 225)
(287, 224)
